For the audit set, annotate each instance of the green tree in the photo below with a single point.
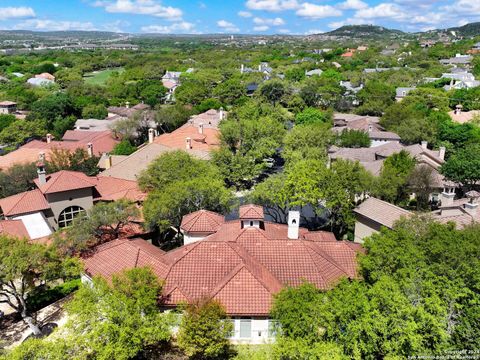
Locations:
(191, 92)
(24, 267)
(6, 120)
(204, 331)
(295, 74)
(171, 117)
(375, 97)
(52, 107)
(312, 116)
(94, 111)
(17, 178)
(230, 91)
(105, 221)
(78, 160)
(352, 138)
(463, 166)
(307, 142)
(124, 147)
(273, 91)
(19, 131)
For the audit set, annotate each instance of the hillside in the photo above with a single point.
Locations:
(471, 29)
(364, 31)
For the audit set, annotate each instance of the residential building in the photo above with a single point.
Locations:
(8, 107)
(199, 136)
(242, 264)
(313, 72)
(46, 76)
(61, 196)
(461, 117)
(94, 142)
(462, 212)
(373, 214)
(401, 92)
(40, 82)
(459, 59)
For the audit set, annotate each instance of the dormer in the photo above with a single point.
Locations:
(251, 216)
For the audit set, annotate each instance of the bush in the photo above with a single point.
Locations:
(41, 297)
(312, 116)
(204, 331)
(124, 147)
(93, 111)
(351, 138)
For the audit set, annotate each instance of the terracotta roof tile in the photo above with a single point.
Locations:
(251, 212)
(23, 203)
(14, 228)
(65, 180)
(202, 221)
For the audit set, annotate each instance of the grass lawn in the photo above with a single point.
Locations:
(100, 77)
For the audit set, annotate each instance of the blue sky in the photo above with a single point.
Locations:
(233, 16)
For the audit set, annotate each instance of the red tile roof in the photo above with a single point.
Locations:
(202, 221)
(243, 268)
(65, 180)
(112, 189)
(251, 212)
(14, 228)
(23, 203)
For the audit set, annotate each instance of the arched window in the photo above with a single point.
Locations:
(66, 216)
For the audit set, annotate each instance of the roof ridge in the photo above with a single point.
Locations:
(327, 257)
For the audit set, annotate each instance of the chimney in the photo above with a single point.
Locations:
(447, 196)
(242, 68)
(260, 67)
(458, 109)
(424, 145)
(41, 157)
(471, 208)
(108, 161)
(49, 138)
(293, 224)
(188, 143)
(221, 113)
(42, 173)
(370, 128)
(151, 135)
(127, 104)
(90, 149)
(441, 152)
(200, 128)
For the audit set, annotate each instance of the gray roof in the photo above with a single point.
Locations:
(381, 212)
(403, 91)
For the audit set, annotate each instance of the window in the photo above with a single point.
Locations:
(245, 328)
(66, 216)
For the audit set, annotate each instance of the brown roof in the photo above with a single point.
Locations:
(464, 116)
(251, 212)
(202, 221)
(14, 228)
(23, 203)
(7, 103)
(381, 212)
(65, 180)
(112, 189)
(241, 268)
(207, 141)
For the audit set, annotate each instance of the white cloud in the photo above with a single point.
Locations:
(272, 5)
(313, 11)
(54, 25)
(16, 13)
(352, 5)
(245, 14)
(261, 28)
(384, 10)
(314, 31)
(467, 7)
(284, 31)
(273, 22)
(141, 7)
(227, 26)
(179, 27)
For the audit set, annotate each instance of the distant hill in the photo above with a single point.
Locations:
(364, 31)
(471, 29)
(60, 34)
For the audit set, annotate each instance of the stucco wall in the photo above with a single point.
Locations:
(60, 201)
(365, 227)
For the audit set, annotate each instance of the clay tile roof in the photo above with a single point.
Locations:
(202, 221)
(118, 255)
(251, 212)
(23, 203)
(111, 189)
(65, 181)
(381, 211)
(14, 228)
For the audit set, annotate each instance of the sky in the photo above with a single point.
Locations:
(233, 16)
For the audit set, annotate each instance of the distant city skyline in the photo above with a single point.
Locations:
(233, 17)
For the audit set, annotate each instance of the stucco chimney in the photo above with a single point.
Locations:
(90, 149)
(424, 145)
(151, 135)
(293, 224)
(41, 156)
(260, 67)
(127, 104)
(458, 109)
(447, 197)
(441, 152)
(200, 128)
(221, 113)
(49, 138)
(471, 208)
(108, 161)
(42, 173)
(188, 143)
(242, 68)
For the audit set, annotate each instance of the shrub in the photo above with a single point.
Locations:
(41, 297)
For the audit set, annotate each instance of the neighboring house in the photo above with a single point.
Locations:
(462, 117)
(199, 136)
(61, 196)
(350, 89)
(94, 142)
(462, 212)
(378, 70)
(373, 214)
(401, 92)
(372, 160)
(368, 124)
(39, 82)
(251, 88)
(8, 107)
(460, 80)
(263, 68)
(242, 264)
(46, 76)
(313, 72)
(459, 59)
